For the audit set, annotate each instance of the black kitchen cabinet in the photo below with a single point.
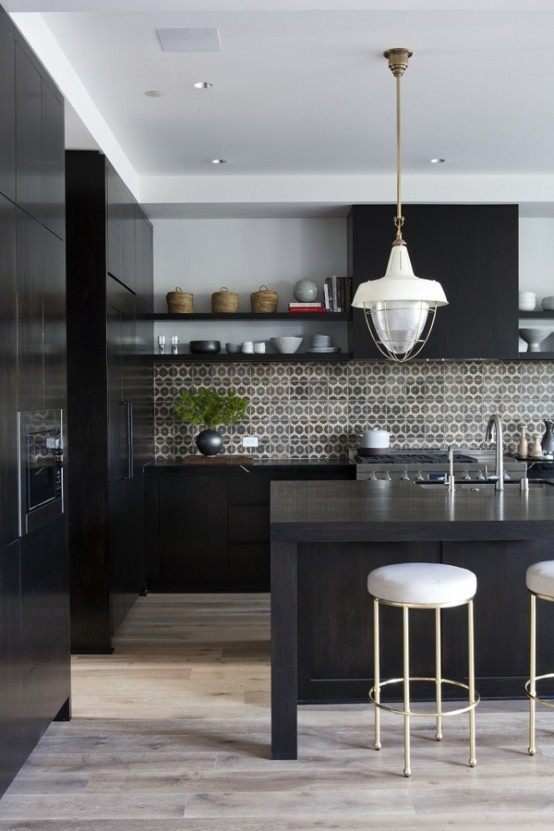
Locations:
(120, 230)
(193, 516)
(7, 107)
(472, 250)
(8, 374)
(39, 139)
(34, 592)
(111, 405)
(144, 261)
(207, 526)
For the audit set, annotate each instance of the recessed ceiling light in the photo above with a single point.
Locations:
(203, 85)
(153, 93)
(219, 161)
(437, 161)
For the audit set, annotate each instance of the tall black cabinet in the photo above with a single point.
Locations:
(109, 242)
(34, 589)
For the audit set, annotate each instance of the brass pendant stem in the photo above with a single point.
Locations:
(398, 63)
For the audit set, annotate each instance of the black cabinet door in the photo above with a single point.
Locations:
(11, 714)
(193, 528)
(7, 107)
(30, 287)
(120, 230)
(125, 480)
(53, 328)
(53, 160)
(472, 250)
(144, 259)
(8, 376)
(28, 112)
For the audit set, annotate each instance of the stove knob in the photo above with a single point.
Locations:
(482, 475)
(372, 477)
(386, 477)
(506, 477)
(466, 475)
(419, 476)
(405, 476)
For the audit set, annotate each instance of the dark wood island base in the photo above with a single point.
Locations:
(327, 536)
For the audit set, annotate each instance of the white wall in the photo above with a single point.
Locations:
(203, 255)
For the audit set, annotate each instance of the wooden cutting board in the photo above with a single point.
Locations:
(217, 460)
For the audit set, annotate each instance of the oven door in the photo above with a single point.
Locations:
(40, 468)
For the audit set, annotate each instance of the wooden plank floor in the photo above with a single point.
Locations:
(172, 733)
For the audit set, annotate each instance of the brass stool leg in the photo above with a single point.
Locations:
(471, 684)
(377, 675)
(532, 673)
(406, 672)
(438, 673)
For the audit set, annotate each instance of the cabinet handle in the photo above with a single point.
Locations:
(130, 460)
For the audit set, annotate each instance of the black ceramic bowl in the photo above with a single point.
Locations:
(204, 346)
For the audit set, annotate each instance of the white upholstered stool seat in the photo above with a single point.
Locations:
(433, 586)
(423, 584)
(539, 579)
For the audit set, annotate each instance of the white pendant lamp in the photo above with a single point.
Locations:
(399, 308)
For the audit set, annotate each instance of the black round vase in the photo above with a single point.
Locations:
(209, 442)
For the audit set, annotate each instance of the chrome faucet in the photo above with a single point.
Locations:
(451, 468)
(494, 427)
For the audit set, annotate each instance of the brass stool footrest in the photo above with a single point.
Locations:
(447, 681)
(547, 703)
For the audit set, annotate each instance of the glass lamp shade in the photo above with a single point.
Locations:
(399, 323)
(399, 306)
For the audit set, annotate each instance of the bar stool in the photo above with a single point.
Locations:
(539, 579)
(422, 586)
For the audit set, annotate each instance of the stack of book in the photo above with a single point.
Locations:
(306, 307)
(338, 293)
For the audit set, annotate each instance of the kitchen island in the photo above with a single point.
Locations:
(327, 536)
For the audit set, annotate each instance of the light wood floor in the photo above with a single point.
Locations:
(172, 733)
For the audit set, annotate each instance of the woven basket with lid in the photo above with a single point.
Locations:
(179, 301)
(264, 300)
(225, 301)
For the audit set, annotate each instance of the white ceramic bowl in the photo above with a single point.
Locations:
(548, 304)
(527, 301)
(288, 344)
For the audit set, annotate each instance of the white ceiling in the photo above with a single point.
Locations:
(302, 103)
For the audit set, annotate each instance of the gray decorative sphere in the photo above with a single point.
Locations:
(305, 291)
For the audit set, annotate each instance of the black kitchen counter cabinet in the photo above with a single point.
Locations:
(327, 536)
(207, 523)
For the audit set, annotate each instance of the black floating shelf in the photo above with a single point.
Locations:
(230, 316)
(222, 357)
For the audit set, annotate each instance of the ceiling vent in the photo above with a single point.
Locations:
(189, 40)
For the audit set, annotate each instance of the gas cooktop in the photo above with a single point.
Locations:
(426, 457)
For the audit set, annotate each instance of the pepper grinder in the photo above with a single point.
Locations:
(174, 344)
(161, 344)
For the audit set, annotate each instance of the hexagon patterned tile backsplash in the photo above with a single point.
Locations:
(317, 410)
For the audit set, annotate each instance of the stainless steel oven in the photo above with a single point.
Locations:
(40, 451)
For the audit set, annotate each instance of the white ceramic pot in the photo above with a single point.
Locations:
(375, 439)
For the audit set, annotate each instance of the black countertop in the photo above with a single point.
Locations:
(405, 511)
(286, 465)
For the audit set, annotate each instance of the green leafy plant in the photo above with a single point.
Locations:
(207, 407)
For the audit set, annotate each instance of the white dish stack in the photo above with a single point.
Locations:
(323, 343)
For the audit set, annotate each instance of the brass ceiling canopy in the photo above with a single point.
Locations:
(398, 60)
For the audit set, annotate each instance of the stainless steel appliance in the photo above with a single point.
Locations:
(40, 451)
(433, 464)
